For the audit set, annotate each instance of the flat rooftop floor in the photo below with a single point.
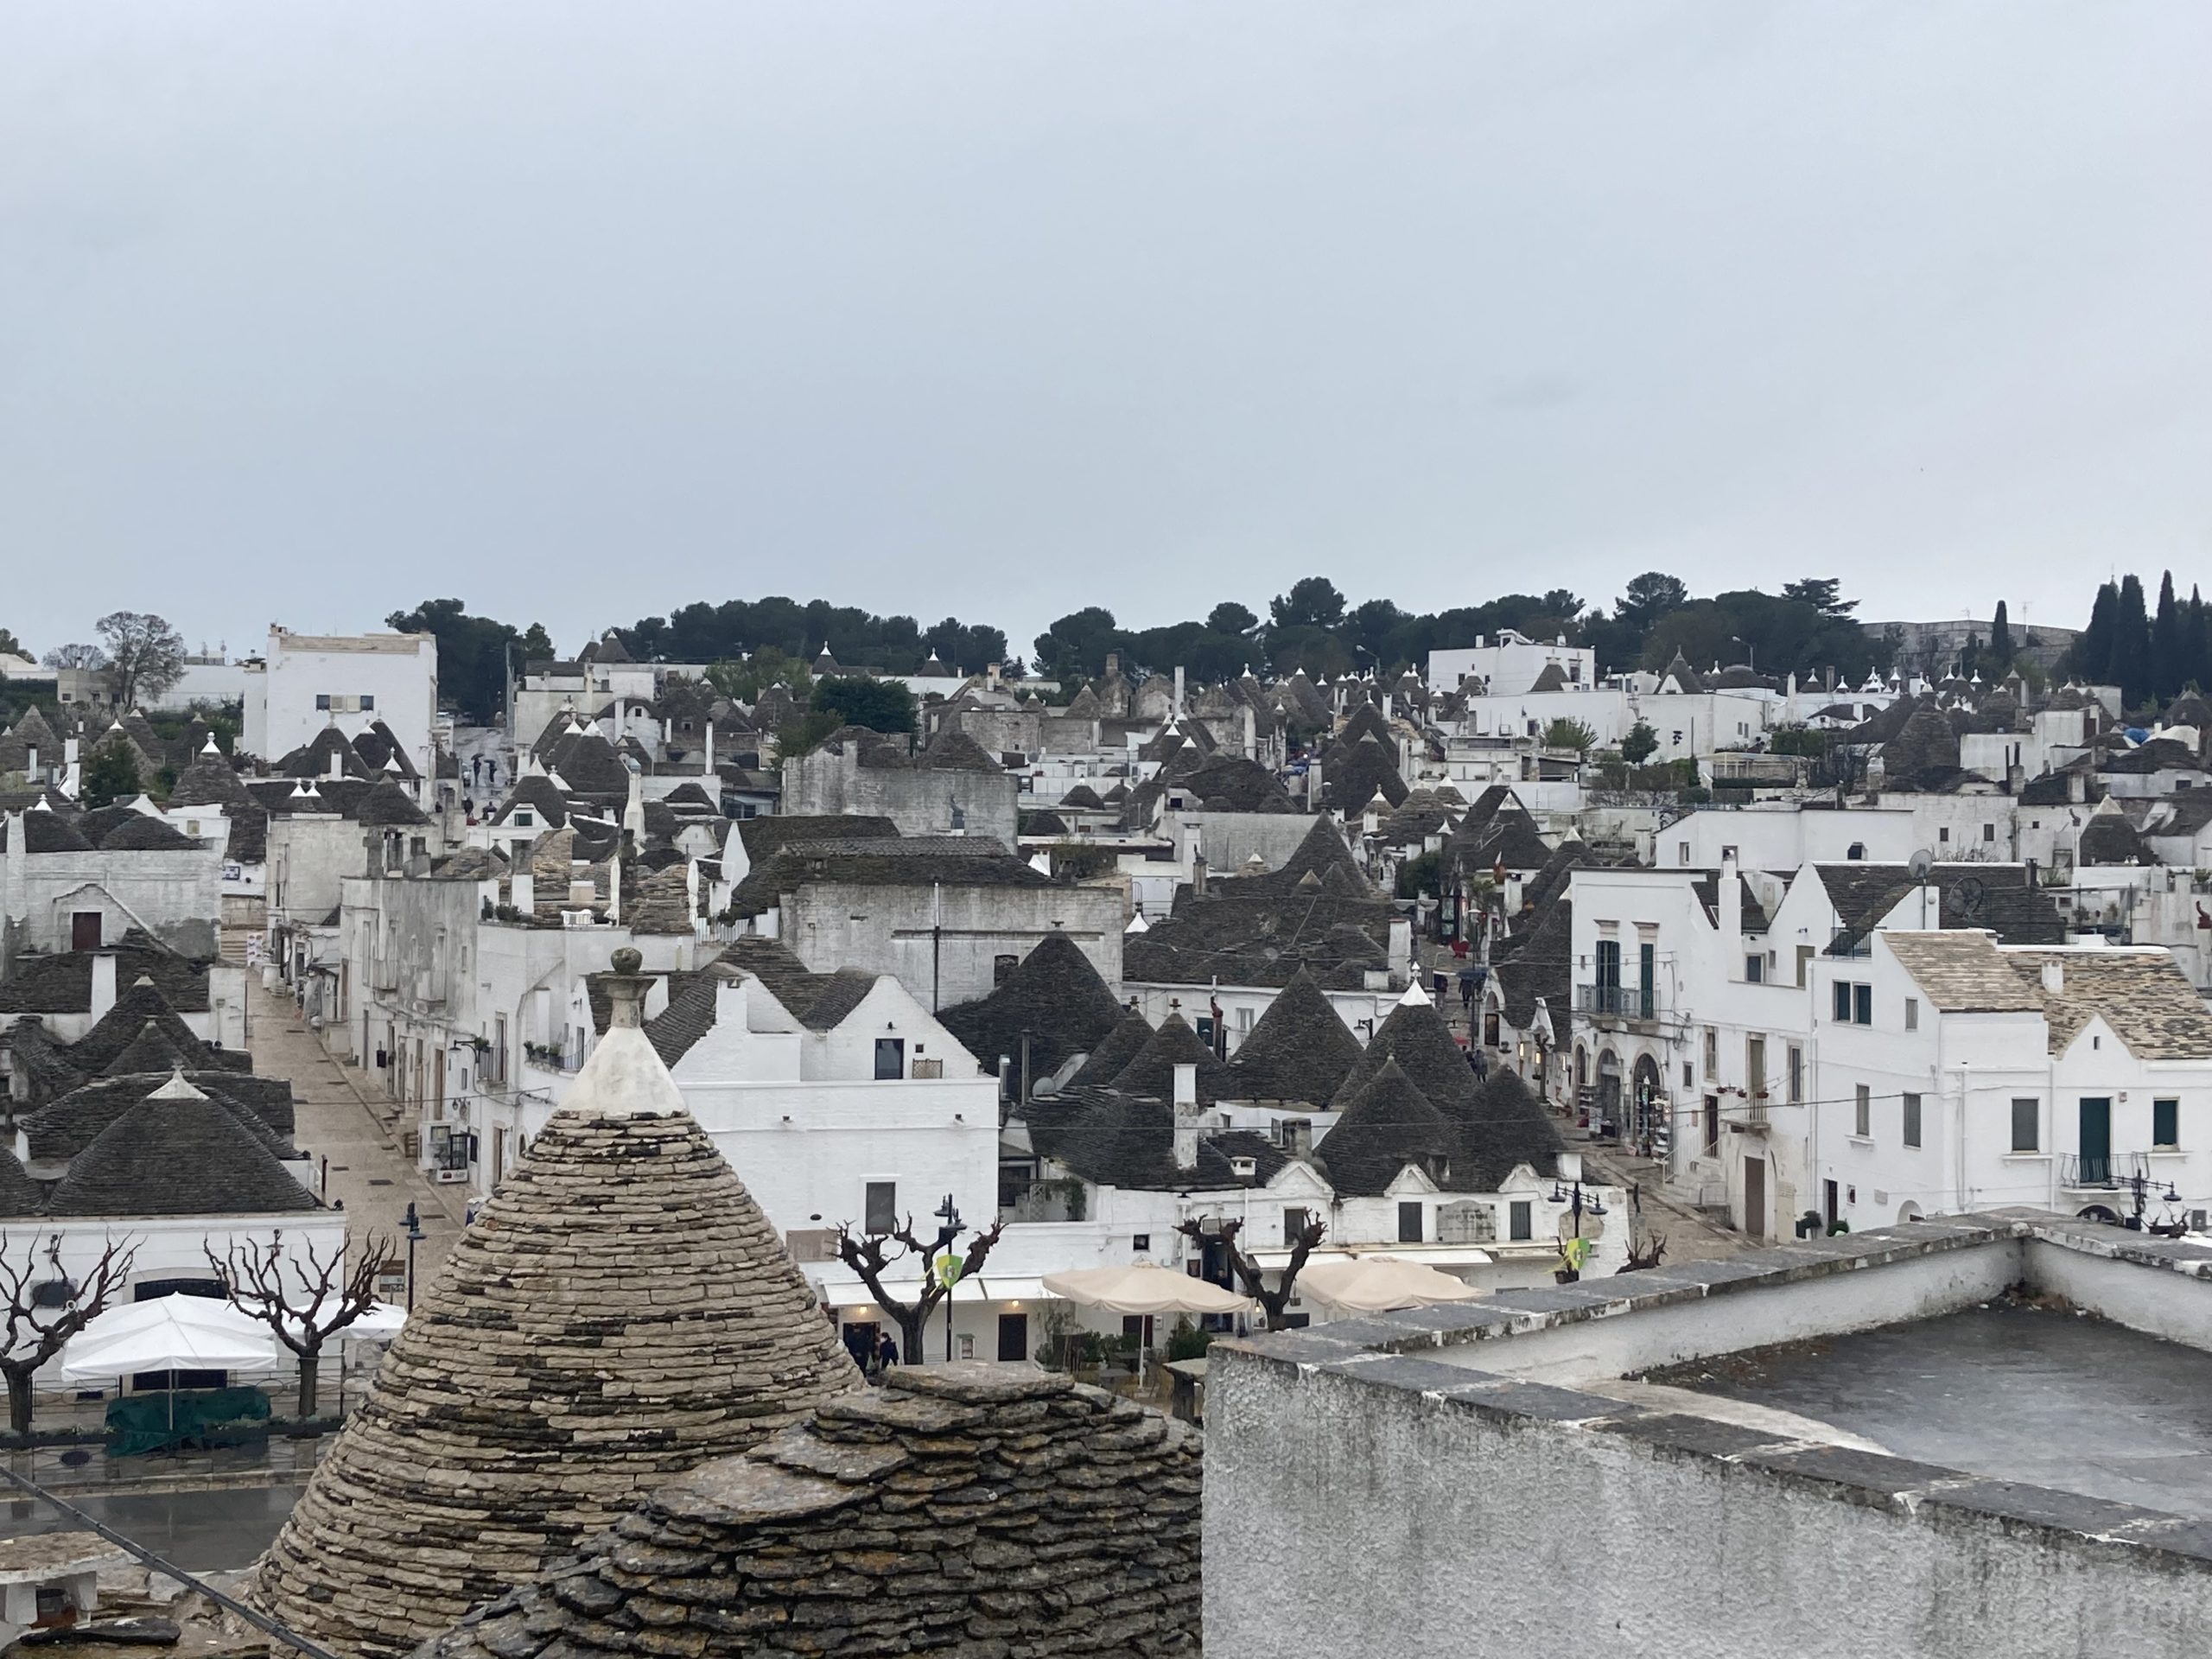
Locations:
(2009, 1391)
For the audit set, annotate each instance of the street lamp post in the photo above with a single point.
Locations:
(414, 1236)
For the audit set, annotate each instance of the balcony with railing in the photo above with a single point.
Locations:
(2103, 1171)
(1627, 1003)
(1745, 1113)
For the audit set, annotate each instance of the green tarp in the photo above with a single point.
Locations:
(154, 1422)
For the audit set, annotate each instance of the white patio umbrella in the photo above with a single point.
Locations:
(1142, 1287)
(1378, 1284)
(170, 1333)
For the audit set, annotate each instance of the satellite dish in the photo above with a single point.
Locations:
(1919, 866)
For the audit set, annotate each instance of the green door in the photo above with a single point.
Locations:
(2096, 1140)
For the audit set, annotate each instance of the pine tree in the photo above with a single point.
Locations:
(2169, 645)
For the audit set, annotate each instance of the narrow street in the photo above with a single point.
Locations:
(342, 1117)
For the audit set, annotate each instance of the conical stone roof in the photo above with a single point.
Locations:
(1153, 1071)
(1300, 1049)
(1054, 995)
(1424, 1048)
(620, 1313)
(1112, 1057)
(1388, 1124)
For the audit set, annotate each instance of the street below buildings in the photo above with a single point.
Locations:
(344, 1122)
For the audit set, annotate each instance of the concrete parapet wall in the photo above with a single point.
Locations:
(1409, 1483)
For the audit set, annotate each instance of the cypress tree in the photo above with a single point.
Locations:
(2000, 644)
(2092, 653)
(2128, 667)
(2169, 645)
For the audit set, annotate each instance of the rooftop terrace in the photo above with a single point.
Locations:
(1864, 1451)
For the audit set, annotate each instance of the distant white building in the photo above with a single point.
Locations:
(310, 681)
(1509, 664)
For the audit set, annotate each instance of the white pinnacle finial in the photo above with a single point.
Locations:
(625, 1076)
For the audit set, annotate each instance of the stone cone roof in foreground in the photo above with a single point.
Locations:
(970, 1509)
(620, 1313)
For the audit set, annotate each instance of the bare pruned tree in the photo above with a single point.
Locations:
(44, 1307)
(869, 1257)
(303, 1296)
(1273, 1303)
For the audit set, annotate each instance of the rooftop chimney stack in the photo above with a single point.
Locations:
(103, 983)
(2054, 978)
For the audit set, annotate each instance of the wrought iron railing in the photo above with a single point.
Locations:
(1618, 1001)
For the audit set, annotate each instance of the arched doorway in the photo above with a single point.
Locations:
(1650, 1109)
(1609, 1091)
(1581, 1068)
(1908, 1211)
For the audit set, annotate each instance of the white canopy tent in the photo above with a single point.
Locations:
(1143, 1288)
(1379, 1284)
(170, 1333)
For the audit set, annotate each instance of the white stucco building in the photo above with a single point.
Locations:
(308, 681)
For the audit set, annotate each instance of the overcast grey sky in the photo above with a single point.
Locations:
(308, 312)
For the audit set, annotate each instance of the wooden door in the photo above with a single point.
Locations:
(85, 929)
(1755, 1197)
(1013, 1337)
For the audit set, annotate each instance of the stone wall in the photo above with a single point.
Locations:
(971, 1508)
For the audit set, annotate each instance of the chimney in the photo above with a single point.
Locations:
(2077, 788)
(103, 983)
(1179, 691)
(1298, 1136)
(991, 675)
(337, 764)
(2054, 978)
(1197, 875)
(712, 788)
(1113, 664)
(1313, 785)
(1731, 903)
(1187, 1115)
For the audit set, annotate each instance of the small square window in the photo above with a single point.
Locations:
(322, 700)
(368, 701)
(1989, 832)
(1140, 1242)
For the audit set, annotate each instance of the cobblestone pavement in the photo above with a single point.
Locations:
(342, 1117)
